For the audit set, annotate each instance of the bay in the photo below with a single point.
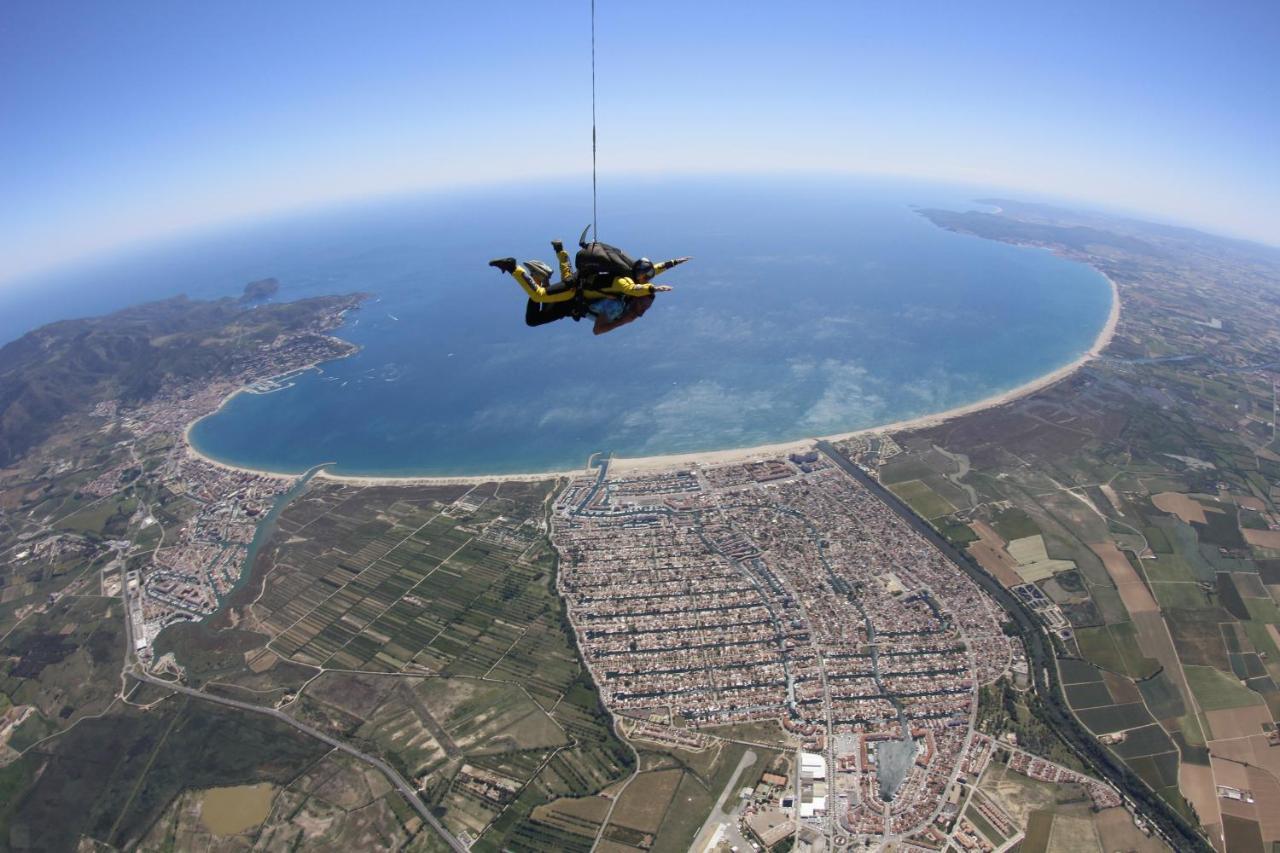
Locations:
(814, 305)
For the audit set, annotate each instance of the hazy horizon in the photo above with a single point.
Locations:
(141, 123)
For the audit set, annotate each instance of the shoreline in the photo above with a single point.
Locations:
(740, 454)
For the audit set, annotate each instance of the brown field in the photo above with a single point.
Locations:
(1135, 595)
(644, 803)
(1238, 722)
(1242, 836)
(1073, 834)
(1263, 538)
(1116, 829)
(1261, 777)
(607, 846)
(1249, 584)
(1122, 689)
(1183, 506)
(260, 660)
(1249, 502)
(990, 553)
(1195, 781)
(1227, 772)
(1266, 795)
(579, 815)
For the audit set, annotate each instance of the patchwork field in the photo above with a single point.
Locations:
(423, 624)
(1160, 561)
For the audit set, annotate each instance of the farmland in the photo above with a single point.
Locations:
(1148, 482)
(421, 623)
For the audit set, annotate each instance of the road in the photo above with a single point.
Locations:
(717, 815)
(409, 792)
(1171, 826)
(134, 670)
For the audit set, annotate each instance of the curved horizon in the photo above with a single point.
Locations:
(80, 262)
(1170, 113)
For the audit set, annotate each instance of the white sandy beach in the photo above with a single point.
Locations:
(710, 457)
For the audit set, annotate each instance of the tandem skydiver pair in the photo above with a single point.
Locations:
(607, 285)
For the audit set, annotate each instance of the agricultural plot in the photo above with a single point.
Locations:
(922, 499)
(1034, 563)
(1115, 648)
(432, 617)
(422, 587)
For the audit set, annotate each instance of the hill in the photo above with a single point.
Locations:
(129, 356)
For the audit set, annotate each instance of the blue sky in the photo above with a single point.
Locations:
(121, 122)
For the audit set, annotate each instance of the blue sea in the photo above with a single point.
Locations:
(812, 306)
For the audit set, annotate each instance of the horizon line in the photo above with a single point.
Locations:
(32, 274)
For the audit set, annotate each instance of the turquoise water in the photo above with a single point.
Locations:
(811, 307)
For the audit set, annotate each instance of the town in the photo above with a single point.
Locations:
(783, 590)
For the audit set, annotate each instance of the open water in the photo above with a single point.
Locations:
(812, 306)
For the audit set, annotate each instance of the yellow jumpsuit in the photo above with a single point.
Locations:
(620, 286)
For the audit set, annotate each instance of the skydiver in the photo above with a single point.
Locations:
(619, 300)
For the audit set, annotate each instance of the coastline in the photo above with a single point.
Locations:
(741, 454)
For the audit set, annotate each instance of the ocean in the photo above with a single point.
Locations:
(812, 306)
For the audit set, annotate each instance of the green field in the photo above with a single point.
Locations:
(450, 582)
(1215, 690)
(110, 778)
(922, 499)
(1115, 648)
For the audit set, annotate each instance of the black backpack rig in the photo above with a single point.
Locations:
(598, 264)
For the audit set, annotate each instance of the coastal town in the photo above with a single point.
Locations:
(781, 590)
(193, 520)
(220, 506)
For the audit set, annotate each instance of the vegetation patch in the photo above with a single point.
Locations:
(1162, 696)
(1216, 691)
(924, 500)
(1114, 718)
(1147, 740)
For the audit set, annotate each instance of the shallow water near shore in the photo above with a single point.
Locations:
(812, 307)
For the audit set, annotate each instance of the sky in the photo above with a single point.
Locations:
(126, 122)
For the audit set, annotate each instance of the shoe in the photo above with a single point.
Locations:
(539, 271)
(506, 265)
(558, 245)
